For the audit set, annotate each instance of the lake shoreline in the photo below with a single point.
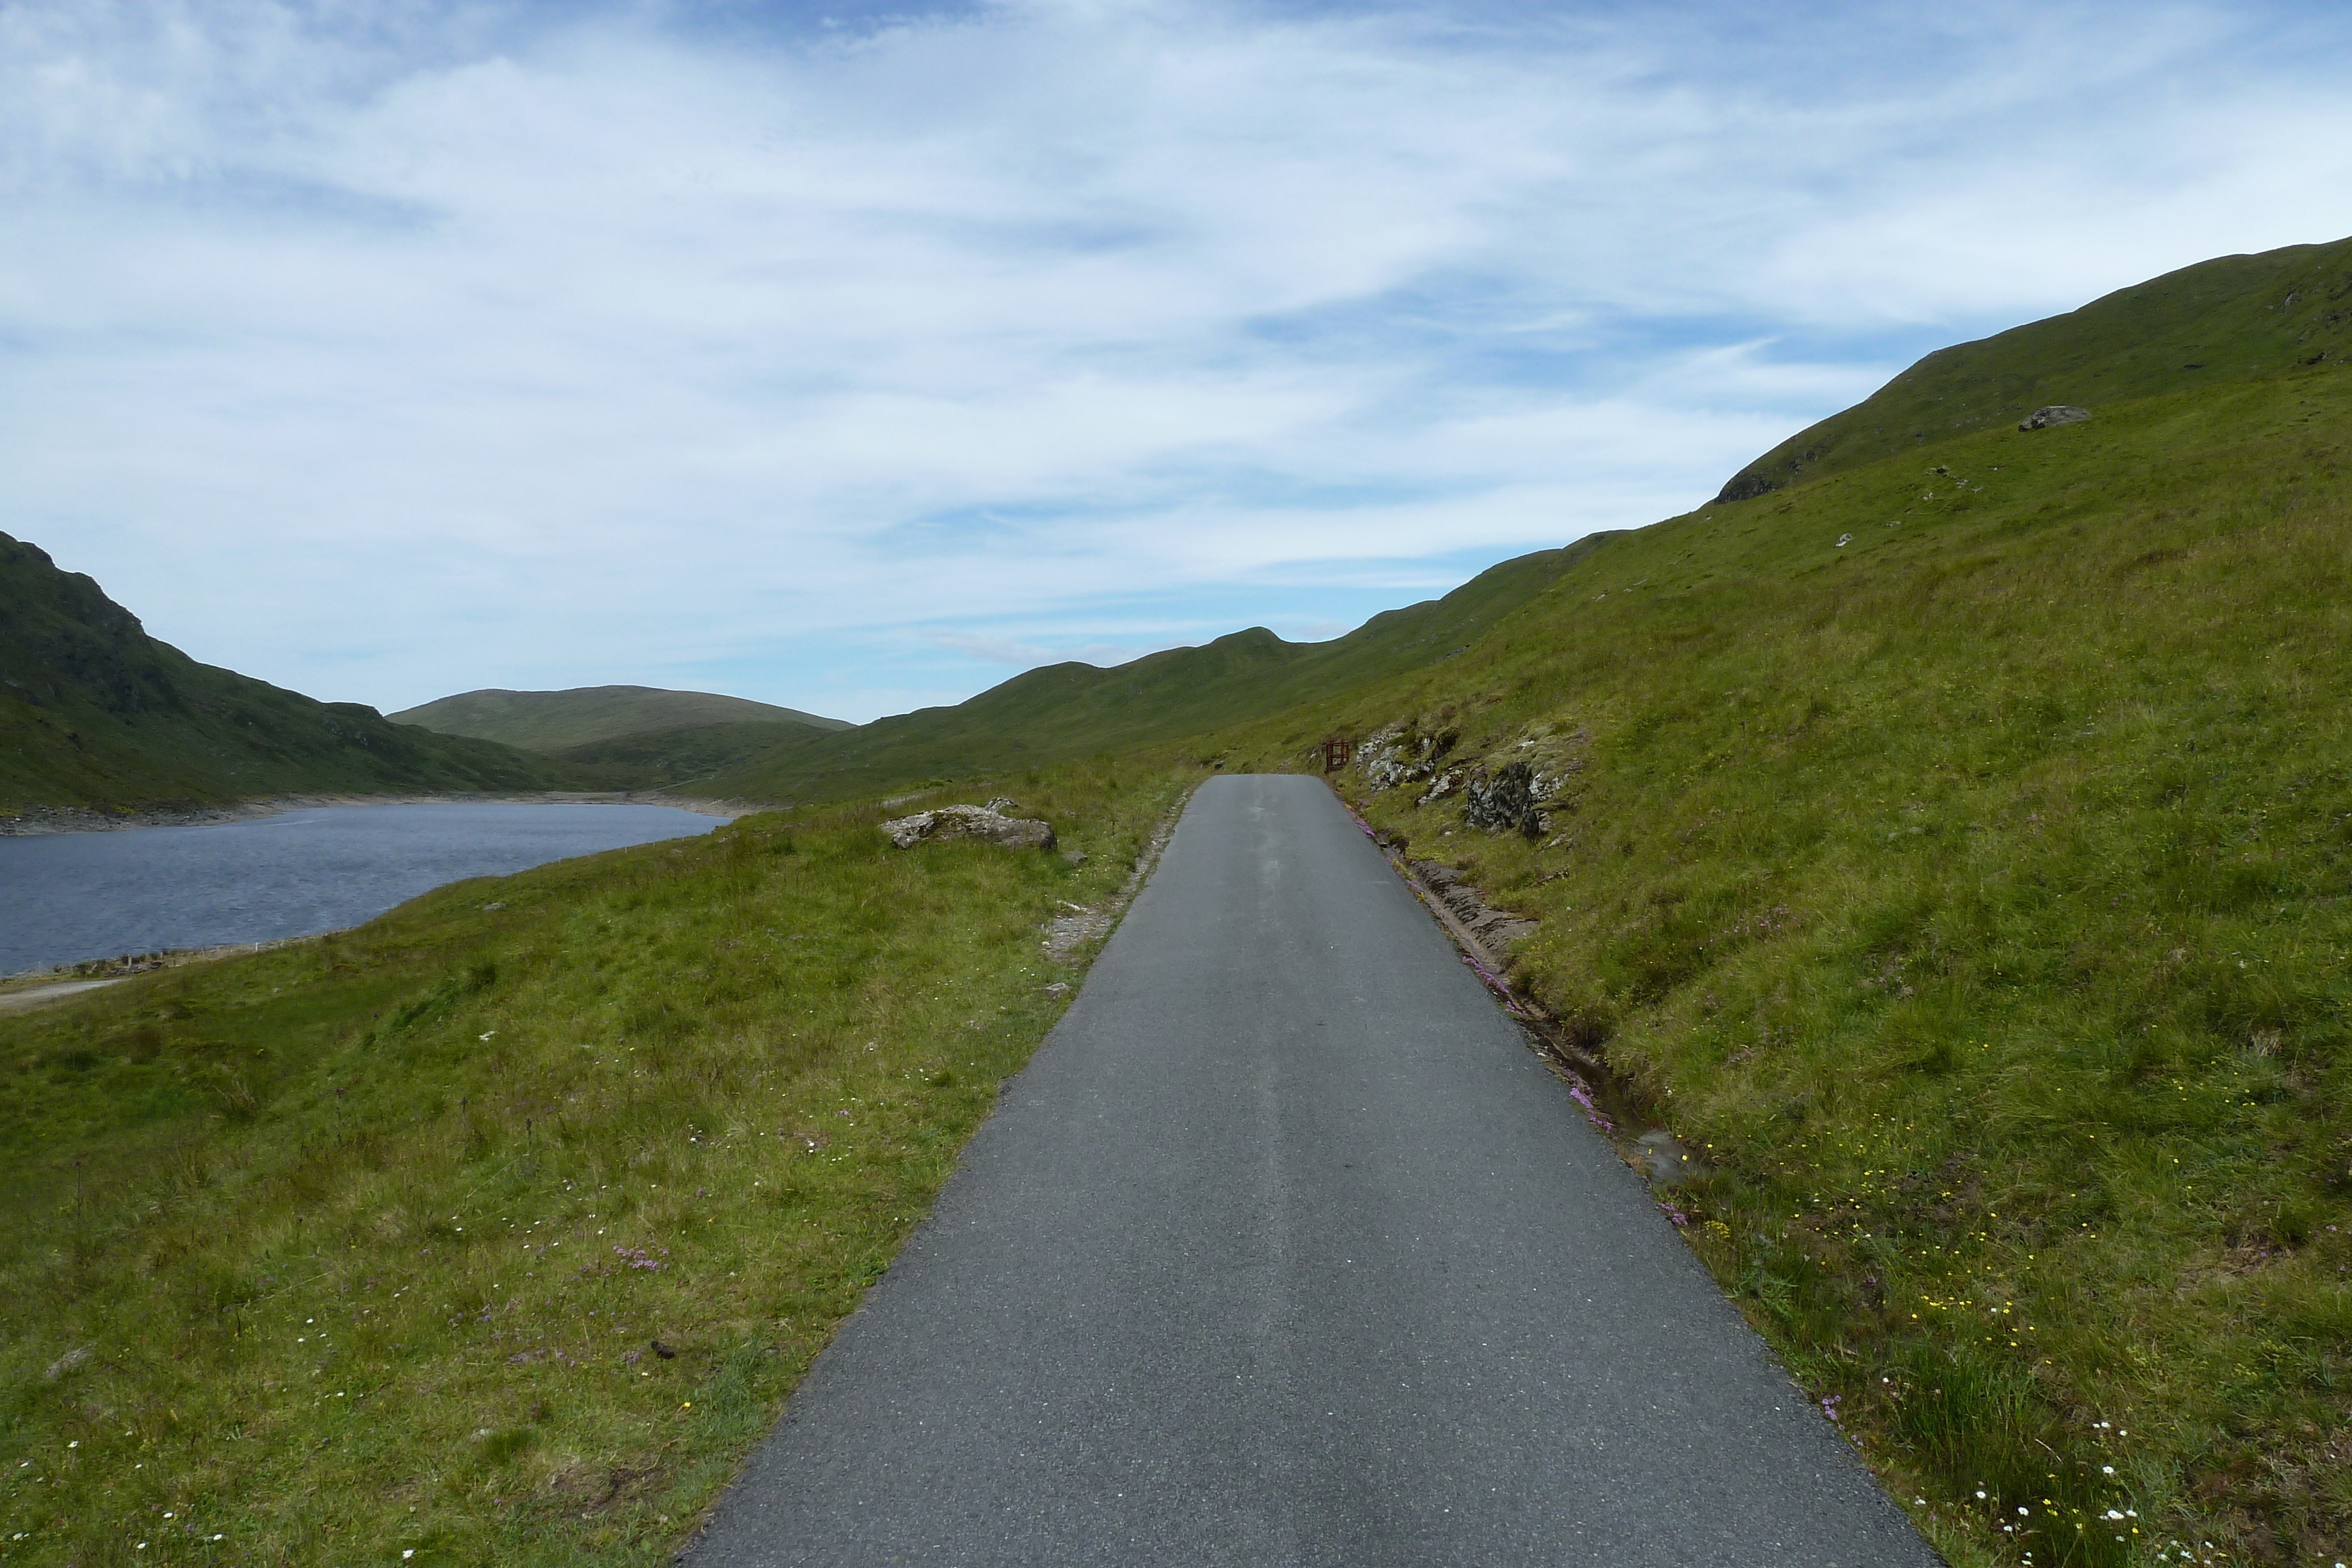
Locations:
(38, 821)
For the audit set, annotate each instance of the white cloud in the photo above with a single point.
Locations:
(486, 345)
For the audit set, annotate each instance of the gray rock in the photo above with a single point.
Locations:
(2054, 414)
(1074, 857)
(969, 823)
(1504, 801)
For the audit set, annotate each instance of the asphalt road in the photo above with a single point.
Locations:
(1285, 1249)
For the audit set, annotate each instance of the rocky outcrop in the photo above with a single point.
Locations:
(1402, 754)
(1496, 929)
(1518, 795)
(2054, 414)
(982, 822)
(1504, 801)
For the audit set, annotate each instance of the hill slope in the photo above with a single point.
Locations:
(1075, 709)
(2237, 319)
(94, 711)
(583, 715)
(1956, 861)
(676, 759)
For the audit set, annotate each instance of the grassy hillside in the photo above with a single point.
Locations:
(495, 1230)
(681, 759)
(585, 715)
(1957, 852)
(94, 711)
(1074, 710)
(2237, 319)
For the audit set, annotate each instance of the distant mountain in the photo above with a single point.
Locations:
(585, 715)
(94, 711)
(1077, 710)
(2237, 319)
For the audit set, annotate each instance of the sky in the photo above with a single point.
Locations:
(855, 358)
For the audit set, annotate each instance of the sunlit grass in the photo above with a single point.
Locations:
(496, 1229)
(1976, 893)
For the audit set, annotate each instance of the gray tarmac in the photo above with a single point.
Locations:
(1285, 1249)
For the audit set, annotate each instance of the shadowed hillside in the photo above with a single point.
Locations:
(681, 759)
(94, 711)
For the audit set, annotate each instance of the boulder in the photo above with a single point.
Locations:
(2054, 414)
(969, 823)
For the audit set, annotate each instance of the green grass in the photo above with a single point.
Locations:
(363, 1244)
(1978, 894)
(95, 713)
(681, 760)
(587, 716)
(2219, 323)
(1077, 710)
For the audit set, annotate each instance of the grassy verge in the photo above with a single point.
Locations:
(496, 1229)
(1977, 893)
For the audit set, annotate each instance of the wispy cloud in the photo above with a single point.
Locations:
(387, 355)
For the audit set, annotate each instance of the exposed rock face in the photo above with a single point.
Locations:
(1402, 755)
(2054, 414)
(970, 822)
(1496, 929)
(1503, 801)
(1515, 795)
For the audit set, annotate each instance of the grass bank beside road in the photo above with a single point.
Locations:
(496, 1229)
(1957, 852)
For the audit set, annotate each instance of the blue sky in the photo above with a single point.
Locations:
(854, 357)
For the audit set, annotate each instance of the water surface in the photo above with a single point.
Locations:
(65, 897)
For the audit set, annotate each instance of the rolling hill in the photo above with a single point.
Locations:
(682, 760)
(585, 715)
(96, 713)
(2233, 319)
(1077, 710)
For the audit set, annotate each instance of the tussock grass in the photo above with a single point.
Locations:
(496, 1229)
(1976, 896)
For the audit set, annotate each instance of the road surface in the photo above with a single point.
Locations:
(1285, 1249)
